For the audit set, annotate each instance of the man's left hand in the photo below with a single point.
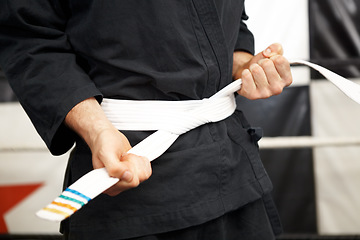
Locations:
(263, 75)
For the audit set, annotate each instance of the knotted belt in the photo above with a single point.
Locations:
(170, 119)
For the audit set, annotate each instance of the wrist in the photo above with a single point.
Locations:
(88, 120)
(240, 62)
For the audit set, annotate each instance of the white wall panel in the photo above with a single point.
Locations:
(337, 168)
(285, 22)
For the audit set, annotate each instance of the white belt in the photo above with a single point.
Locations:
(170, 119)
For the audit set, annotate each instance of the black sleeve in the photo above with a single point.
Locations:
(42, 68)
(245, 41)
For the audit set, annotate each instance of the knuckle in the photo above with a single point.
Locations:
(101, 154)
(276, 90)
(148, 175)
(126, 157)
(266, 94)
(145, 176)
(289, 80)
(279, 60)
(252, 96)
(112, 193)
(256, 95)
(114, 172)
(245, 92)
(135, 183)
(255, 69)
(278, 48)
(146, 170)
(266, 63)
(149, 172)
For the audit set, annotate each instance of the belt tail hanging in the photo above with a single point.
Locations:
(77, 195)
(95, 182)
(351, 89)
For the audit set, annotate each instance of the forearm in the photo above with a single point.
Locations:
(88, 120)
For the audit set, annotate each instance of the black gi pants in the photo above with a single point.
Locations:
(251, 222)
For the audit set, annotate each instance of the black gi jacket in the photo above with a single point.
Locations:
(58, 53)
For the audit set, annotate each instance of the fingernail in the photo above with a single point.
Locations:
(127, 176)
(267, 52)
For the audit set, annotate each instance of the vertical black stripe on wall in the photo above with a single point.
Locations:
(335, 36)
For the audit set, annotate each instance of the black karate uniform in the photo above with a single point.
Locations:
(58, 53)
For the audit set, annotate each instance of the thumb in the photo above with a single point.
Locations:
(272, 50)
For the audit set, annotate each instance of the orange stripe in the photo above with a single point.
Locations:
(56, 211)
(68, 206)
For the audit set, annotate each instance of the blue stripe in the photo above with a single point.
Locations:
(78, 193)
(72, 200)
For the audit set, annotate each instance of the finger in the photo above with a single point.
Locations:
(126, 176)
(282, 66)
(254, 85)
(259, 76)
(111, 161)
(140, 166)
(125, 183)
(248, 84)
(120, 170)
(146, 169)
(272, 50)
(276, 83)
(120, 187)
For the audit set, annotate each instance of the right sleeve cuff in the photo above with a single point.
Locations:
(60, 138)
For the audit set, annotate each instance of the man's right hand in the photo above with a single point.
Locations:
(108, 146)
(109, 151)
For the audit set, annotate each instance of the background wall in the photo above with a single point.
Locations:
(315, 188)
(327, 32)
(29, 176)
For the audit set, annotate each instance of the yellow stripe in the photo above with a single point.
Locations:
(56, 211)
(68, 206)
